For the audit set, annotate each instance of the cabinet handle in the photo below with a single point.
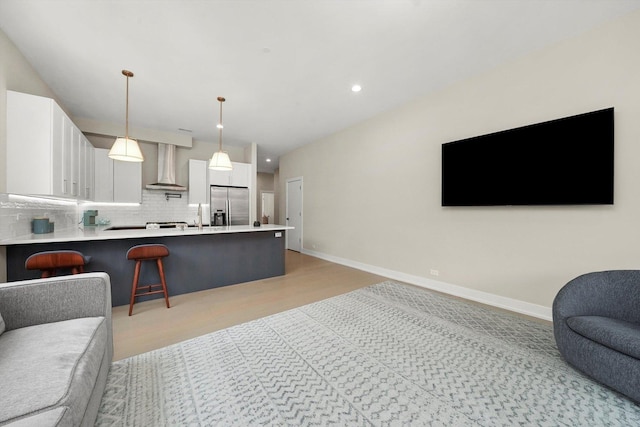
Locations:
(65, 190)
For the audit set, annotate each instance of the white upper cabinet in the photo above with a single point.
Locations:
(76, 155)
(127, 182)
(116, 181)
(103, 175)
(66, 153)
(198, 189)
(44, 149)
(219, 177)
(87, 167)
(239, 176)
(35, 134)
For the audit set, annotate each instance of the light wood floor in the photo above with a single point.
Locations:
(307, 279)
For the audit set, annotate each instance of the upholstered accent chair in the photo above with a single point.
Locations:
(596, 322)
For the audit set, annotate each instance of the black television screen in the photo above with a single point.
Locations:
(567, 161)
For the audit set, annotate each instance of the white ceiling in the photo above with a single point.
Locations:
(286, 67)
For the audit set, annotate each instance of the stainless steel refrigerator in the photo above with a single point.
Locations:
(229, 205)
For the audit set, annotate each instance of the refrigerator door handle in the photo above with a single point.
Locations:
(228, 211)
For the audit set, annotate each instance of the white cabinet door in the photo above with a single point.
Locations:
(29, 144)
(44, 147)
(198, 188)
(66, 153)
(127, 182)
(82, 168)
(116, 181)
(239, 176)
(219, 177)
(103, 176)
(89, 180)
(76, 159)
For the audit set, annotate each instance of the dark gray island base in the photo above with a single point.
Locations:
(196, 262)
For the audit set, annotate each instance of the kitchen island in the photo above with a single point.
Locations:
(198, 260)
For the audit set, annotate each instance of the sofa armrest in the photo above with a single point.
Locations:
(32, 302)
(614, 294)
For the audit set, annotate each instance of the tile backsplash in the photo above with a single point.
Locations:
(154, 207)
(16, 212)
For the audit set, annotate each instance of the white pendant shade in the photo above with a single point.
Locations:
(220, 162)
(127, 150)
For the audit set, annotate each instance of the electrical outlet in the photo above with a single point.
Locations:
(279, 234)
(435, 272)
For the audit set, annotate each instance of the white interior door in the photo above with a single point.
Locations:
(294, 214)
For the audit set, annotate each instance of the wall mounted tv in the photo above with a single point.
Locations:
(567, 161)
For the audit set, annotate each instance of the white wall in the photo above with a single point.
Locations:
(354, 180)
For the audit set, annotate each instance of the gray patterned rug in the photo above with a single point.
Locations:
(388, 354)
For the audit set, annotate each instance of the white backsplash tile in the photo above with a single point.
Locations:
(16, 212)
(154, 207)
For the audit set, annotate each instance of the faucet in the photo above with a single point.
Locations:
(199, 216)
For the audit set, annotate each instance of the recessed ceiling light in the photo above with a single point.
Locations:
(356, 88)
(268, 160)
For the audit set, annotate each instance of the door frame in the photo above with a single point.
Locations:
(286, 210)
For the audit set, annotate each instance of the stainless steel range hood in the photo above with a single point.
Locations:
(166, 170)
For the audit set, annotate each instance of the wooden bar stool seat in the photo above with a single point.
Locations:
(153, 252)
(50, 261)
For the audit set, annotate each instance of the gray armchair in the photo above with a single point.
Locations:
(56, 349)
(596, 323)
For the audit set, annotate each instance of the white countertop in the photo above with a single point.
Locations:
(100, 233)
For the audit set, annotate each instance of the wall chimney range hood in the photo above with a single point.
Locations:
(166, 170)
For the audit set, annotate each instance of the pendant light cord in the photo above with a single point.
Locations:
(126, 120)
(221, 99)
(127, 74)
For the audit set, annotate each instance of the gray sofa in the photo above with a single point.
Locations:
(596, 322)
(55, 350)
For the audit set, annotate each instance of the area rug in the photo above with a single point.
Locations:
(389, 354)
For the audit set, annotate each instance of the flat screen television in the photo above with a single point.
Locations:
(567, 161)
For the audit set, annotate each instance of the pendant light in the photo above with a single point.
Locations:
(126, 149)
(220, 160)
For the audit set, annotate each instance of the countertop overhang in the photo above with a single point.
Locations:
(101, 233)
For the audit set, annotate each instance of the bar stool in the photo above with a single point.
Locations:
(153, 252)
(50, 261)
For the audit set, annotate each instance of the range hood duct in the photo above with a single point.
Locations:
(166, 169)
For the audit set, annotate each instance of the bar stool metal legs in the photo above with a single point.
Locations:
(154, 252)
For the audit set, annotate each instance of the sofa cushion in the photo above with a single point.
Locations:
(42, 419)
(616, 334)
(51, 365)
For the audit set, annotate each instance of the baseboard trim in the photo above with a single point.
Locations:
(518, 306)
